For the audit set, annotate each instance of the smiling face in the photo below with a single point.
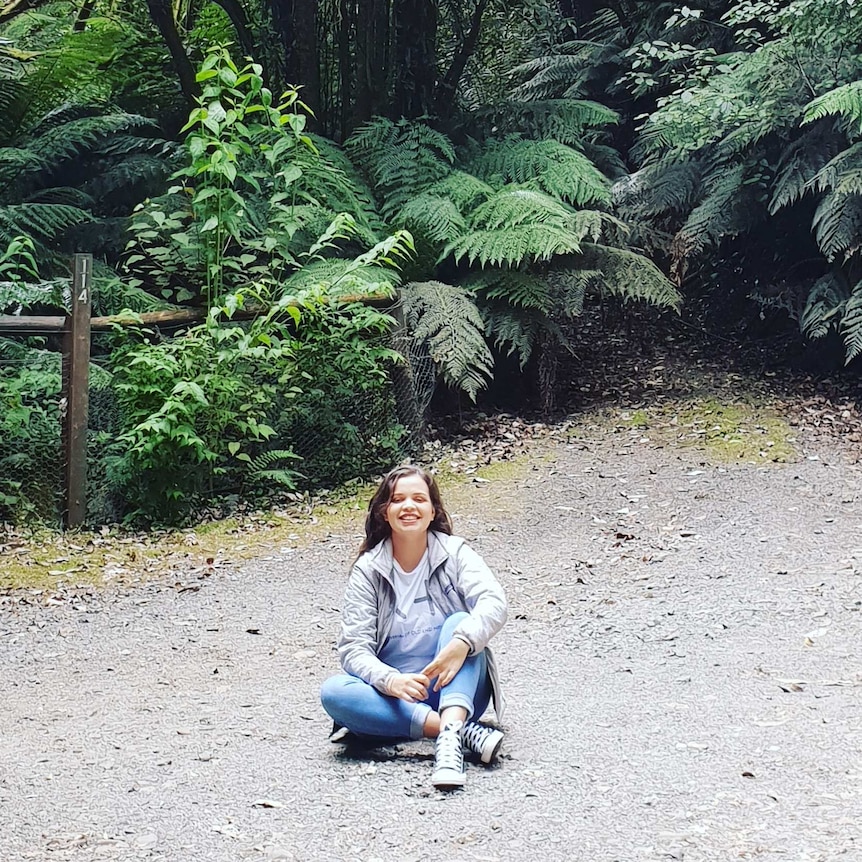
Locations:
(410, 510)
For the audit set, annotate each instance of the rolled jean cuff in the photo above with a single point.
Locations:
(421, 711)
(456, 698)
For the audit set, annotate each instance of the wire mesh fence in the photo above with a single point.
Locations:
(31, 454)
(336, 433)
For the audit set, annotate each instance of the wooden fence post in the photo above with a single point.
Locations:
(76, 361)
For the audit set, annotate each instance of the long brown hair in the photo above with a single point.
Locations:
(377, 528)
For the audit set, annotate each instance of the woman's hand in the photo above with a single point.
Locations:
(447, 663)
(411, 687)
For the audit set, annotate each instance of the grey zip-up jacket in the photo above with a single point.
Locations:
(459, 580)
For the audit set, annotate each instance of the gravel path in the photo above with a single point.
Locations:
(682, 666)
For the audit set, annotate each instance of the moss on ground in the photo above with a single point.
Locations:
(726, 431)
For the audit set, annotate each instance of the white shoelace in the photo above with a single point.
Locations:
(449, 753)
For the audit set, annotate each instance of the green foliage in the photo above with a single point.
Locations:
(344, 425)
(512, 207)
(191, 407)
(257, 200)
(29, 432)
(548, 166)
(444, 319)
(844, 101)
(563, 120)
(401, 158)
(835, 306)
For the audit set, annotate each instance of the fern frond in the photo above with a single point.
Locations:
(514, 331)
(660, 188)
(802, 164)
(261, 468)
(838, 224)
(135, 171)
(65, 195)
(563, 120)
(402, 159)
(464, 190)
(444, 318)
(111, 295)
(513, 245)
(551, 166)
(844, 101)
(40, 221)
(726, 210)
(335, 275)
(17, 297)
(431, 216)
(78, 136)
(552, 74)
(331, 178)
(521, 289)
(571, 286)
(840, 173)
(824, 307)
(15, 164)
(851, 325)
(515, 206)
(630, 276)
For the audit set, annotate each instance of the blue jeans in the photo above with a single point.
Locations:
(358, 706)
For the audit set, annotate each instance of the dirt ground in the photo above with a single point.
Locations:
(681, 664)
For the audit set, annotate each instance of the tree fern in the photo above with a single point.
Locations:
(511, 246)
(43, 222)
(838, 224)
(514, 331)
(401, 159)
(444, 318)
(844, 101)
(801, 164)
(71, 139)
(465, 190)
(17, 297)
(571, 285)
(520, 289)
(840, 173)
(851, 325)
(667, 186)
(824, 307)
(550, 166)
(727, 209)
(433, 217)
(330, 177)
(561, 74)
(519, 225)
(514, 205)
(562, 120)
(629, 276)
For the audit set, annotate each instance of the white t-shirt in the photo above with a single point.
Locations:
(416, 624)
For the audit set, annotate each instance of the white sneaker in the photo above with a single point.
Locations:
(482, 740)
(449, 757)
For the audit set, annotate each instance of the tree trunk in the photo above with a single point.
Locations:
(548, 365)
(373, 50)
(295, 22)
(234, 10)
(162, 16)
(445, 95)
(415, 58)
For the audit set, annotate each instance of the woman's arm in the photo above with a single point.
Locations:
(485, 600)
(357, 645)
